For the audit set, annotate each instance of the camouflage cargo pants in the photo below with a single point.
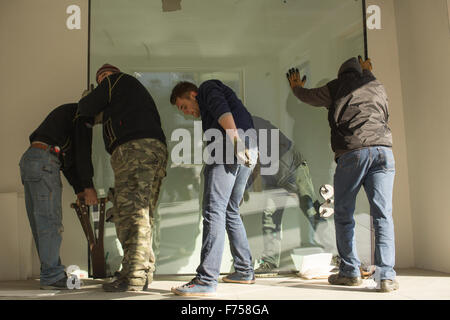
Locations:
(139, 167)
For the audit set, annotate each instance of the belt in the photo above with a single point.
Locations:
(52, 149)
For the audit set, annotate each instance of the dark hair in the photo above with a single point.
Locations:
(181, 89)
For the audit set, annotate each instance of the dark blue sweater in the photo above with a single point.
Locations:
(215, 99)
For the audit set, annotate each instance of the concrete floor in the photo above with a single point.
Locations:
(414, 285)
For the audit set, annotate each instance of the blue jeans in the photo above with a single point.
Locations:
(373, 168)
(40, 172)
(224, 189)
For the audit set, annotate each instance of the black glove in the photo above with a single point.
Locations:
(293, 76)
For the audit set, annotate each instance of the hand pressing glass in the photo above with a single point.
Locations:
(293, 76)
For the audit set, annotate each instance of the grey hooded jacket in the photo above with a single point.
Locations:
(357, 105)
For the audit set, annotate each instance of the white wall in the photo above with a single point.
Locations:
(43, 66)
(19, 258)
(383, 50)
(411, 57)
(424, 50)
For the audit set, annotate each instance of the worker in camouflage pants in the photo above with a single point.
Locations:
(133, 135)
(293, 175)
(139, 167)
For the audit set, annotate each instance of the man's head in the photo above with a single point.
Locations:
(184, 98)
(351, 65)
(104, 71)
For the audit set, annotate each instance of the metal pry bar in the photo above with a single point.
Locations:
(96, 247)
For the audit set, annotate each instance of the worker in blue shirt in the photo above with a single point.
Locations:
(221, 111)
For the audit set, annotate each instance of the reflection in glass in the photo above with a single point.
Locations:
(249, 45)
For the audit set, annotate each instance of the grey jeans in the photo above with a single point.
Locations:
(293, 176)
(40, 173)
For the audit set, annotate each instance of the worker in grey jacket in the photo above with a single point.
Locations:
(361, 139)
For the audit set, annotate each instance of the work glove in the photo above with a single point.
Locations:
(87, 91)
(242, 154)
(365, 65)
(293, 76)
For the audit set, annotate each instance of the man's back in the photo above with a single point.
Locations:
(357, 106)
(215, 99)
(129, 111)
(57, 127)
(360, 118)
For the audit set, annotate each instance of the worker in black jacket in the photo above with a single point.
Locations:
(361, 139)
(59, 143)
(133, 136)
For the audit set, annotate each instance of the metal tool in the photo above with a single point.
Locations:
(94, 235)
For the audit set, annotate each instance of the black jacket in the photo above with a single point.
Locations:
(72, 133)
(129, 112)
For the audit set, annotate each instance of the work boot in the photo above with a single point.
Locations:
(388, 285)
(239, 278)
(266, 269)
(61, 284)
(337, 279)
(121, 285)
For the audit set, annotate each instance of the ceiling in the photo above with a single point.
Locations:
(205, 28)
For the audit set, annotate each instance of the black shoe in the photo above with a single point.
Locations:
(337, 279)
(388, 285)
(121, 285)
(266, 269)
(61, 284)
(239, 278)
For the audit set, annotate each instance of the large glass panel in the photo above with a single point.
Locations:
(249, 45)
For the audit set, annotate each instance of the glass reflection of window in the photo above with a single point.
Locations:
(251, 53)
